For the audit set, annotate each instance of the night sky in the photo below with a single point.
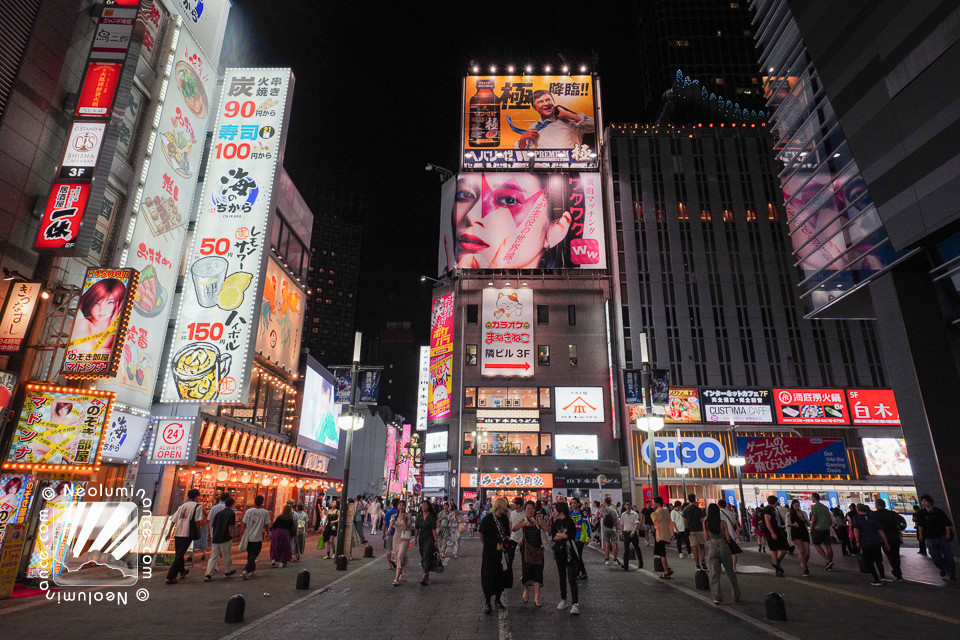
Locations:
(377, 97)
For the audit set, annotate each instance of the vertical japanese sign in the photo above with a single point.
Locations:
(162, 213)
(390, 455)
(207, 20)
(281, 318)
(98, 89)
(18, 314)
(507, 338)
(441, 325)
(423, 389)
(122, 440)
(441, 357)
(212, 349)
(60, 225)
(369, 386)
(403, 474)
(100, 325)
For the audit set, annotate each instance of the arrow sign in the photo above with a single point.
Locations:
(525, 366)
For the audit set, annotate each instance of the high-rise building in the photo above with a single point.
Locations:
(710, 41)
(866, 135)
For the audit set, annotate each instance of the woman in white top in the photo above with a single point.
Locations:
(731, 522)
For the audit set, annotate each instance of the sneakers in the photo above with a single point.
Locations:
(583, 576)
(227, 574)
(607, 562)
(208, 578)
(829, 566)
(806, 573)
(575, 610)
(682, 556)
(562, 605)
(877, 583)
(780, 572)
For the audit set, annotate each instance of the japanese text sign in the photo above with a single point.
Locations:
(60, 225)
(390, 454)
(773, 454)
(100, 326)
(509, 480)
(739, 405)
(369, 386)
(60, 426)
(16, 494)
(98, 89)
(684, 406)
(579, 404)
(633, 391)
(507, 346)
(403, 472)
(281, 318)
(519, 121)
(162, 214)
(174, 441)
(82, 150)
(212, 347)
(122, 440)
(873, 406)
(441, 386)
(441, 325)
(18, 312)
(112, 38)
(810, 406)
(423, 389)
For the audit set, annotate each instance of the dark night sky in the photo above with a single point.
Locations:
(377, 96)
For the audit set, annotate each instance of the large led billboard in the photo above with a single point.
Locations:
(887, 457)
(522, 221)
(318, 415)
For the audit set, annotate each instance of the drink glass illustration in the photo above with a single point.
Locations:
(208, 276)
(198, 369)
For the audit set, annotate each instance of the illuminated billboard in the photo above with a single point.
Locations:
(318, 415)
(506, 319)
(684, 406)
(529, 121)
(887, 457)
(523, 221)
(578, 447)
(100, 326)
(810, 406)
(281, 318)
(873, 406)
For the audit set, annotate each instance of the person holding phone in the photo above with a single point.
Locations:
(531, 551)
(563, 532)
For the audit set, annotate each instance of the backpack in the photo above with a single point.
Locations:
(609, 521)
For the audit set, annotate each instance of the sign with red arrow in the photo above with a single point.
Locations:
(508, 347)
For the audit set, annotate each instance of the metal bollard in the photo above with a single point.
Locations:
(235, 607)
(368, 551)
(303, 580)
(341, 563)
(702, 580)
(657, 565)
(776, 610)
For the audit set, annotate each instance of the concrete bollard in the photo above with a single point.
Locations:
(702, 580)
(368, 551)
(341, 563)
(235, 608)
(303, 580)
(776, 610)
(657, 565)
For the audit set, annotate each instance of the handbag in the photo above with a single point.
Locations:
(194, 527)
(437, 562)
(532, 555)
(243, 541)
(406, 535)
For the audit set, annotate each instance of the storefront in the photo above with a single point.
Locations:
(588, 485)
(529, 486)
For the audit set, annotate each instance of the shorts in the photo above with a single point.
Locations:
(820, 536)
(697, 538)
(609, 535)
(780, 543)
(660, 548)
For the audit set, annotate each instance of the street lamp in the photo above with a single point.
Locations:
(651, 424)
(683, 471)
(739, 461)
(349, 422)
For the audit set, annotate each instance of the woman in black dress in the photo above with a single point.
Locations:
(427, 540)
(494, 533)
(800, 536)
(531, 552)
(563, 532)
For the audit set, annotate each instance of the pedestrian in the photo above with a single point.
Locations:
(494, 533)
(776, 534)
(330, 529)
(457, 527)
(662, 524)
(730, 520)
(850, 516)
(300, 518)
(718, 538)
(255, 520)
(630, 531)
(282, 532)
(916, 515)
(870, 538)
(443, 529)
(693, 517)
(935, 528)
(515, 515)
(608, 520)
(358, 535)
(842, 530)
(893, 525)
(596, 539)
(187, 522)
(784, 512)
(820, 521)
(427, 540)
(582, 523)
(531, 551)
(563, 533)
(388, 532)
(402, 535)
(799, 524)
(317, 515)
(221, 526)
(214, 510)
(760, 530)
(647, 523)
(680, 532)
(370, 511)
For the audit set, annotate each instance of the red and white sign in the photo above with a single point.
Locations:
(173, 441)
(509, 480)
(579, 404)
(873, 406)
(810, 406)
(60, 225)
(508, 348)
(99, 88)
(112, 38)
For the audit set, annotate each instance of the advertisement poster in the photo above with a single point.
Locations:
(423, 389)
(739, 405)
(579, 404)
(369, 391)
(14, 539)
(281, 318)
(773, 454)
(318, 414)
(100, 325)
(575, 447)
(122, 440)
(212, 347)
(810, 406)
(441, 325)
(523, 221)
(174, 441)
(60, 426)
(49, 551)
(60, 225)
(18, 311)
(522, 121)
(507, 347)
(436, 442)
(441, 387)
(633, 391)
(887, 457)
(403, 472)
(390, 453)
(684, 406)
(873, 406)
(162, 213)
(342, 376)
(16, 496)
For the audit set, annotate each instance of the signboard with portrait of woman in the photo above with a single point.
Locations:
(100, 326)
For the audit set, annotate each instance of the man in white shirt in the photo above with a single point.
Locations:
(676, 516)
(557, 128)
(255, 520)
(630, 529)
(517, 514)
(188, 511)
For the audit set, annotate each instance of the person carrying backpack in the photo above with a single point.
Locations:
(186, 522)
(221, 529)
(609, 519)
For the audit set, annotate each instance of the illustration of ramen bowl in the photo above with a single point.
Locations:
(197, 370)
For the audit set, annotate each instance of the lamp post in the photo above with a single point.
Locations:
(349, 423)
(476, 447)
(682, 472)
(739, 461)
(651, 424)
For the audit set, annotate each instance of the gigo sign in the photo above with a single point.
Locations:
(692, 453)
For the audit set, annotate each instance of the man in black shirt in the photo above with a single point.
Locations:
(890, 523)
(647, 522)
(693, 517)
(776, 534)
(935, 528)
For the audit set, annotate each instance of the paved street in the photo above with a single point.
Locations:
(363, 603)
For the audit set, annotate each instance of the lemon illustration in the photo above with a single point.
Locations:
(234, 286)
(241, 280)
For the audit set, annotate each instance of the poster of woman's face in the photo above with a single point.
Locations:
(98, 326)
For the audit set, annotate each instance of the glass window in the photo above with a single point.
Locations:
(494, 443)
(473, 314)
(573, 355)
(543, 355)
(470, 397)
(544, 397)
(543, 314)
(471, 355)
(571, 314)
(501, 397)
